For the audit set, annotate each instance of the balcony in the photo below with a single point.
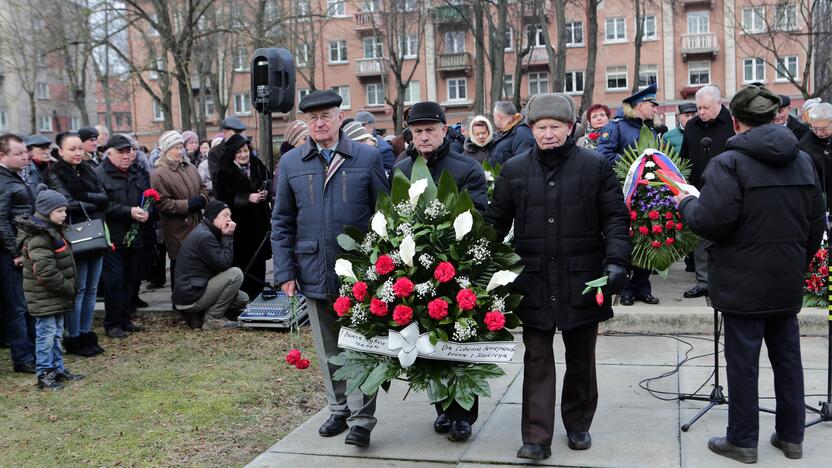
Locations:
(449, 14)
(704, 44)
(368, 21)
(537, 56)
(698, 3)
(370, 67)
(456, 62)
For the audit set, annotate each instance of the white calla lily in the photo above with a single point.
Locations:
(344, 268)
(501, 278)
(379, 224)
(417, 189)
(407, 249)
(463, 224)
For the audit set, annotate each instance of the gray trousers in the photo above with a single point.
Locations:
(221, 293)
(700, 255)
(356, 407)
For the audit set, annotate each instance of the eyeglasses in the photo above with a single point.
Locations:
(822, 129)
(325, 118)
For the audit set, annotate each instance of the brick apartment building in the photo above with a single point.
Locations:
(687, 44)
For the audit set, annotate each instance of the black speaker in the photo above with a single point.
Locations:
(272, 80)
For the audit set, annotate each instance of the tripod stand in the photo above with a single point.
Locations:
(717, 397)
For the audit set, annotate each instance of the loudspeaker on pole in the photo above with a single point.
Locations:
(272, 80)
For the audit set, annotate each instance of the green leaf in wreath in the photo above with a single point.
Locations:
(401, 185)
(447, 188)
(385, 371)
(346, 242)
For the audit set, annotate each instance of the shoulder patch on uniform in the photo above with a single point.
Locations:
(605, 135)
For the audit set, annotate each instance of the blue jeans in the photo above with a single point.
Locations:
(15, 314)
(80, 319)
(49, 329)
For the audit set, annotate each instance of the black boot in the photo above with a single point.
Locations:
(72, 345)
(48, 381)
(94, 343)
(84, 345)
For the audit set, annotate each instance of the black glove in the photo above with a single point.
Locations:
(196, 203)
(616, 278)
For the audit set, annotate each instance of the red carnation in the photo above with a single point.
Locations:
(302, 363)
(657, 229)
(444, 272)
(494, 320)
(402, 314)
(403, 287)
(384, 265)
(293, 357)
(466, 299)
(631, 233)
(359, 291)
(633, 215)
(438, 309)
(378, 307)
(342, 305)
(668, 215)
(670, 241)
(678, 226)
(656, 244)
(151, 193)
(643, 230)
(653, 214)
(593, 135)
(670, 225)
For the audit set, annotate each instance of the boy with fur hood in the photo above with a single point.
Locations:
(48, 283)
(480, 139)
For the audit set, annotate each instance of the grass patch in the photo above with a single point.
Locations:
(166, 396)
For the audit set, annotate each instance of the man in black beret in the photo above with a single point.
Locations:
(89, 140)
(762, 207)
(785, 118)
(230, 126)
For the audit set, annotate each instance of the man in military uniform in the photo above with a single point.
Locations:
(615, 137)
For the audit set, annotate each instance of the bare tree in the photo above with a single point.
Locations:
(522, 46)
(822, 20)
(592, 53)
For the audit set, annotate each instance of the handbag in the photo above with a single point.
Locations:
(88, 237)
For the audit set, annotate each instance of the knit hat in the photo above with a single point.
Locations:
(755, 106)
(356, 132)
(48, 201)
(364, 117)
(297, 132)
(168, 140)
(556, 106)
(188, 136)
(213, 209)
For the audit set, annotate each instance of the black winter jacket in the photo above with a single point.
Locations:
(761, 205)
(718, 130)
(517, 140)
(80, 186)
(124, 189)
(570, 220)
(16, 198)
(797, 127)
(467, 173)
(821, 154)
(204, 254)
(476, 152)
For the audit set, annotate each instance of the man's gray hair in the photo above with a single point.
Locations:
(506, 107)
(821, 111)
(709, 90)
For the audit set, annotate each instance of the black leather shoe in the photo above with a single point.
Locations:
(131, 327)
(790, 449)
(696, 291)
(534, 452)
(333, 426)
(627, 300)
(649, 299)
(139, 303)
(358, 436)
(442, 424)
(25, 367)
(460, 431)
(578, 440)
(116, 332)
(721, 446)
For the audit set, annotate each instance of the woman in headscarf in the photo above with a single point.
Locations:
(480, 138)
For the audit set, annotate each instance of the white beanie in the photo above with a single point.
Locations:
(168, 140)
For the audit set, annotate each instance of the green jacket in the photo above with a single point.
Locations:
(48, 266)
(674, 137)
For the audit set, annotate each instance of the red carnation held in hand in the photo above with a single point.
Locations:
(384, 265)
(438, 309)
(359, 291)
(293, 357)
(444, 272)
(466, 299)
(378, 307)
(151, 193)
(654, 215)
(302, 364)
(342, 305)
(402, 314)
(643, 230)
(494, 320)
(403, 287)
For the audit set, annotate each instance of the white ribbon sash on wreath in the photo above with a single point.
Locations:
(408, 344)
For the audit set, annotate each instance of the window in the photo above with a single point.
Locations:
(574, 34)
(240, 59)
(508, 86)
(208, 108)
(45, 123)
(158, 115)
(373, 47)
(534, 36)
(509, 39)
(753, 19)
(153, 73)
(647, 75)
(42, 59)
(617, 78)
(375, 95)
(370, 5)
(410, 5)
(302, 55)
(786, 68)
(344, 92)
(615, 29)
(236, 18)
(338, 51)
(42, 90)
(242, 104)
(408, 45)
(454, 42)
(574, 82)
(303, 8)
(753, 69)
(3, 122)
(648, 32)
(74, 124)
(538, 83)
(123, 119)
(151, 30)
(412, 94)
(457, 89)
(699, 73)
(302, 93)
(785, 17)
(698, 22)
(335, 8)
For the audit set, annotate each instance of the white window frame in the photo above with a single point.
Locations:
(45, 123)
(373, 44)
(242, 104)
(453, 41)
(510, 36)
(694, 17)
(302, 55)
(413, 93)
(302, 93)
(336, 8)
(158, 114)
(344, 92)
(41, 90)
(376, 90)
(370, 5)
(151, 31)
(409, 46)
(538, 33)
(538, 80)
(643, 70)
(339, 46)
(700, 66)
(154, 74)
(457, 84)
(617, 70)
(655, 35)
(755, 62)
(508, 86)
(571, 79)
(615, 21)
(570, 32)
(303, 8)
(208, 107)
(753, 19)
(240, 59)
(74, 123)
(785, 17)
(782, 77)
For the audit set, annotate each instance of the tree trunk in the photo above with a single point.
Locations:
(822, 21)
(108, 100)
(184, 84)
(639, 7)
(592, 53)
(479, 73)
(33, 110)
(498, 67)
(560, 71)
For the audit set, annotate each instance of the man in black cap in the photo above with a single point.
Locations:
(785, 118)
(39, 160)
(323, 185)
(427, 123)
(713, 122)
(89, 140)
(761, 204)
(230, 126)
(687, 111)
